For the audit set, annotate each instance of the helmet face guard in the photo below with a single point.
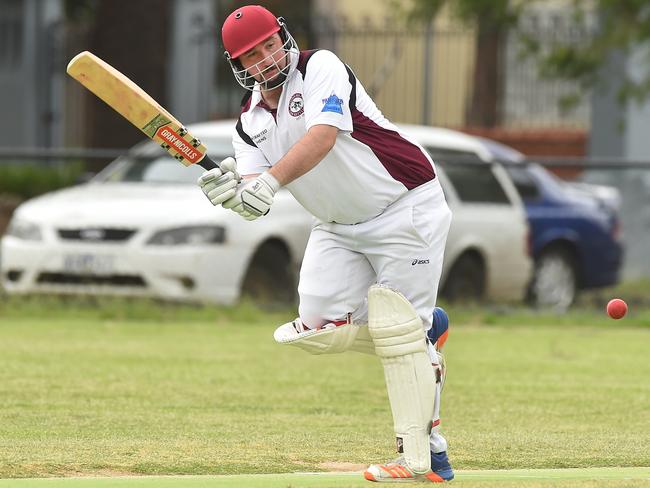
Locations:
(279, 75)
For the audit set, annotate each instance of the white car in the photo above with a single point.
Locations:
(488, 249)
(143, 227)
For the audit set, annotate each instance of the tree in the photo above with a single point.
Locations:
(623, 25)
(491, 19)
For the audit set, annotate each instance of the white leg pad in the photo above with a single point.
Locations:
(346, 337)
(398, 334)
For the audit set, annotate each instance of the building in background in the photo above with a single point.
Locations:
(418, 74)
(31, 91)
(168, 48)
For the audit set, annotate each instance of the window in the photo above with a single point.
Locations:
(524, 182)
(152, 164)
(475, 183)
(472, 178)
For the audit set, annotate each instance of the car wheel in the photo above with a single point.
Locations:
(270, 279)
(466, 280)
(554, 284)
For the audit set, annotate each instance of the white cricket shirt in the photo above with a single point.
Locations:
(371, 165)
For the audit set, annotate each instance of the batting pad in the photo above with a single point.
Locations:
(398, 334)
(352, 337)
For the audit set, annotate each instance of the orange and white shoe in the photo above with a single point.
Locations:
(397, 471)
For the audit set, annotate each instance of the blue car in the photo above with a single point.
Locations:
(575, 236)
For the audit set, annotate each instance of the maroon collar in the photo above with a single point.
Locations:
(264, 105)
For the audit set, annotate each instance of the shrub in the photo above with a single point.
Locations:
(28, 178)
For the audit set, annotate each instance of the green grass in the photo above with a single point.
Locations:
(110, 388)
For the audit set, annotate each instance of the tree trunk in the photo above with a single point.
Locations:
(132, 36)
(484, 109)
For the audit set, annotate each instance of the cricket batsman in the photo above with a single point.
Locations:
(372, 266)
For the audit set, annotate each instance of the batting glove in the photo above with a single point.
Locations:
(254, 198)
(220, 184)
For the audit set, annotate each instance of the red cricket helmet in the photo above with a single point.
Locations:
(246, 27)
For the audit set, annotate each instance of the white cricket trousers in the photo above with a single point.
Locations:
(402, 248)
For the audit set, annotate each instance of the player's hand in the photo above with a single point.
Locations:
(254, 197)
(220, 184)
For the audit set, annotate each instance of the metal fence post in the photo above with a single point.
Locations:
(426, 79)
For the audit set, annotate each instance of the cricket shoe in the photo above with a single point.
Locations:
(441, 466)
(397, 471)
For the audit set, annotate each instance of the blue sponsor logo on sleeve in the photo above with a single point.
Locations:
(333, 104)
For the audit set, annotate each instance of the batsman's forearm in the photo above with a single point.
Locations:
(305, 154)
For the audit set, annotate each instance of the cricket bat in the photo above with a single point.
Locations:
(136, 106)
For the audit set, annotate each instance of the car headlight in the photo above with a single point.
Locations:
(195, 235)
(24, 230)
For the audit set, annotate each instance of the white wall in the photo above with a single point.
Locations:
(31, 84)
(622, 132)
(192, 61)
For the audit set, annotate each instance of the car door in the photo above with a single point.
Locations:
(488, 221)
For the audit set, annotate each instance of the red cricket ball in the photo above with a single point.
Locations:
(616, 308)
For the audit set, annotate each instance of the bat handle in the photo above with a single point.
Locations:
(207, 163)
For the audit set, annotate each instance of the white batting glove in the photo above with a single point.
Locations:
(254, 197)
(220, 184)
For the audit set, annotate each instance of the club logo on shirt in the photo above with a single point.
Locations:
(296, 105)
(332, 104)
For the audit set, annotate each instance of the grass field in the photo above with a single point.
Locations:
(117, 389)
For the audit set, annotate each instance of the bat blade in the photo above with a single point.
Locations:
(135, 105)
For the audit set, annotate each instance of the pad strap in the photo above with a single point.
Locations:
(331, 339)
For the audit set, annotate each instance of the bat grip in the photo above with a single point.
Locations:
(207, 163)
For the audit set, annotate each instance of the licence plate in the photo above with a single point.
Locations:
(88, 264)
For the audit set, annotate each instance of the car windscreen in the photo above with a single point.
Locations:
(551, 182)
(148, 163)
